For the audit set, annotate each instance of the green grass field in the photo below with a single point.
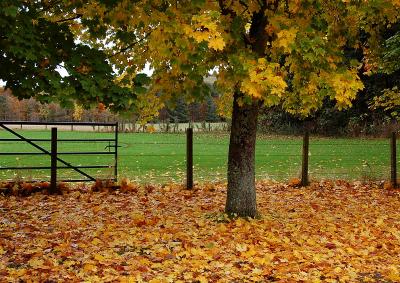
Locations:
(160, 158)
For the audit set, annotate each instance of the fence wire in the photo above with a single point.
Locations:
(278, 159)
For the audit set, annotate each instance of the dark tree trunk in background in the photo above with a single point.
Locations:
(241, 198)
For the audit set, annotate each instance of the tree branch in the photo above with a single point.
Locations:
(224, 10)
(129, 46)
(243, 4)
(77, 16)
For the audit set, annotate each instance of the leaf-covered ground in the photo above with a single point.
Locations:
(328, 232)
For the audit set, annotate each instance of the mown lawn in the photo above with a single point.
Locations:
(160, 158)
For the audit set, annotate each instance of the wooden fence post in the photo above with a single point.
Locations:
(304, 164)
(53, 178)
(189, 158)
(393, 161)
(116, 152)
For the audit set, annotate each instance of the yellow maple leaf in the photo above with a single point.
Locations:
(297, 254)
(216, 43)
(17, 273)
(249, 253)
(317, 257)
(99, 257)
(345, 85)
(265, 260)
(201, 36)
(88, 267)
(156, 280)
(251, 88)
(202, 279)
(394, 274)
(380, 221)
(337, 269)
(96, 241)
(286, 38)
(69, 263)
(36, 262)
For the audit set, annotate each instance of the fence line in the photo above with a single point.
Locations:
(293, 157)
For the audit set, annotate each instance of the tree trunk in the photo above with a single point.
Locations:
(241, 198)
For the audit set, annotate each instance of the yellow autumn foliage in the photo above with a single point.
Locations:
(264, 81)
(300, 46)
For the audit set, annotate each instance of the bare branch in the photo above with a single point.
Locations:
(244, 4)
(129, 46)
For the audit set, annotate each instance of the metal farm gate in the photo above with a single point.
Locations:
(56, 157)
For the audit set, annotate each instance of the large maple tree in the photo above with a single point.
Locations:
(291, 53)
(280, 52)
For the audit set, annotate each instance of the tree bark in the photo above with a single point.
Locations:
(241, 197)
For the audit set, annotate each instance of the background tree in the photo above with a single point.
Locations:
(3, 108)
(178, 113)
(211, 115)
(36, 40)
(389, 71)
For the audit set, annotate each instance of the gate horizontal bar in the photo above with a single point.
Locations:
(62, 140)
(14, 140)
(58, 167)
(84, 180)
(22, 153)
(64, 181)
(86, 140)
(57, 123)
(86, 153)
(59, 153)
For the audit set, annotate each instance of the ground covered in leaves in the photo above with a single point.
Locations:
(328, 232)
